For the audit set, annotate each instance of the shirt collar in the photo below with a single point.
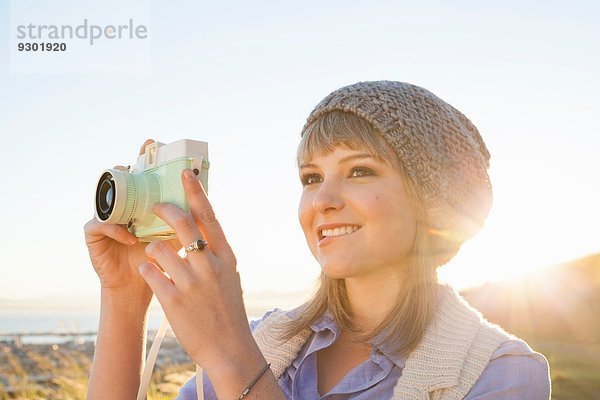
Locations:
(326, 322)
(388, 350)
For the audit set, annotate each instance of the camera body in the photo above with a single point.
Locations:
(127, 197)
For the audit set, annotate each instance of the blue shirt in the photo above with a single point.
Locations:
(514, 372)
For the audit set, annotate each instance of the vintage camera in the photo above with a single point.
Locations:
(127, 197)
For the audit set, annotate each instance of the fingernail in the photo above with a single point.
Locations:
(189, 175)
(143, 268)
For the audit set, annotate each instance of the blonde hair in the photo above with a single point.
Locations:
(405, 325)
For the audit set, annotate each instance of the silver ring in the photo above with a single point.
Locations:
(197, 245)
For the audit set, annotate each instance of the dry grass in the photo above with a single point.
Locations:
(574, 369)
(60, 372)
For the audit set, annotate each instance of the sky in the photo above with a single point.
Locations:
(243, 76)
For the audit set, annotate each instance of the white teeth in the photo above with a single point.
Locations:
(344, 230)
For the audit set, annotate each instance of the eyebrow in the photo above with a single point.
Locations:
(342, 161)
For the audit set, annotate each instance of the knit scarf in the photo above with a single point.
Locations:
(454, 351)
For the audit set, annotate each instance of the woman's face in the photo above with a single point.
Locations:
(355, 214)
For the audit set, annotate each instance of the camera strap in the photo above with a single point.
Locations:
(151, 360)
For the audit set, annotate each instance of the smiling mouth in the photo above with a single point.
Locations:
(339, 231)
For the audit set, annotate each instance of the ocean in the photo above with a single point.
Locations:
(57, 326)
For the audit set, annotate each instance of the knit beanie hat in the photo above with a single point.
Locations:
(441, 150)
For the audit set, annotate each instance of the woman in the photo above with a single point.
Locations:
(395, 180)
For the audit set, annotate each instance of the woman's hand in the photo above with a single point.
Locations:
(116, 254)
(203, 297)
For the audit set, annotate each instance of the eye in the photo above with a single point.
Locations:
(359, 172)
(309, 179)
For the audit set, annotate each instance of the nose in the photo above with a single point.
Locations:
(328, 198)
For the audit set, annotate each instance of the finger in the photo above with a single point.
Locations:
(203, 213)
(182, 223)
(146, 143)
(170, 262)
(174, 244)
(162, 286)
(96, 230)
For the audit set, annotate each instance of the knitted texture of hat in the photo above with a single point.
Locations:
(440, 148)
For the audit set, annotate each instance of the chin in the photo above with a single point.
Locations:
(333, 275)
(338, 271)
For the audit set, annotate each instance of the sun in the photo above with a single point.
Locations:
(490, 257)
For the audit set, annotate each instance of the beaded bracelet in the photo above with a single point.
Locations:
(247, 389)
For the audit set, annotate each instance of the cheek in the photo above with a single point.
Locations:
(305, 217)
(304, 214)
(394, 214)
(405, 225)
(375, 203)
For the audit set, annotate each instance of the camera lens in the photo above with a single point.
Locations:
(125, 198)
(105, 196)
